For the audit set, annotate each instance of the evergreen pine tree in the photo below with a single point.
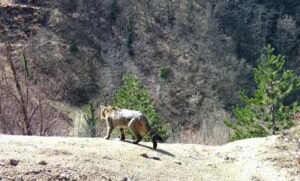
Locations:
(265, 113)
(133, 95)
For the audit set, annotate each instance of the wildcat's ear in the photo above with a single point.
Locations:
(102, 111)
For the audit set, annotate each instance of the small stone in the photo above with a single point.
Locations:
(125, 179)
(64, 176)
(296, 141)
(144, 155)
(285, 132)
(35, 171)
(227, 158)
(178, 162)
(155, 158)
(42, 162)
(2, 164)
(83, 177)
(14, 162)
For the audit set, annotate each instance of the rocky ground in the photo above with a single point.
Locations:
(58, 158)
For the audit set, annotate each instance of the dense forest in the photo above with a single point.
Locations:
(193, 56)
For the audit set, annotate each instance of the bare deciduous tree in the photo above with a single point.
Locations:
(24, 108)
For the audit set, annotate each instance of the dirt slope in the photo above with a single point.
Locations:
(57, 158)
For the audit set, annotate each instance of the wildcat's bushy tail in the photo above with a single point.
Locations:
(153, 135)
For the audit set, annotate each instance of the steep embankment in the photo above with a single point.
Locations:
(57, 158)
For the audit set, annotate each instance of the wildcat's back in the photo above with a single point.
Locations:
(122, 117)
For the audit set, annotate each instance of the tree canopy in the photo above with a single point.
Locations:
(265, 113)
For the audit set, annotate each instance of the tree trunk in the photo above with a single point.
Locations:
(273, 110)
(23, 105)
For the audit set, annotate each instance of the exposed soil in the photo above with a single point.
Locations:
(58, 158)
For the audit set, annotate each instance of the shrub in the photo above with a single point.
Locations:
(73, 47)
(165, 72)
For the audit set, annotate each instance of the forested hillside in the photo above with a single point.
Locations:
(194, 56)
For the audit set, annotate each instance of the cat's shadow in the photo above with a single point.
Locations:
(157, 150)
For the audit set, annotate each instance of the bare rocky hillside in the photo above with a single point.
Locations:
(57, 158)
